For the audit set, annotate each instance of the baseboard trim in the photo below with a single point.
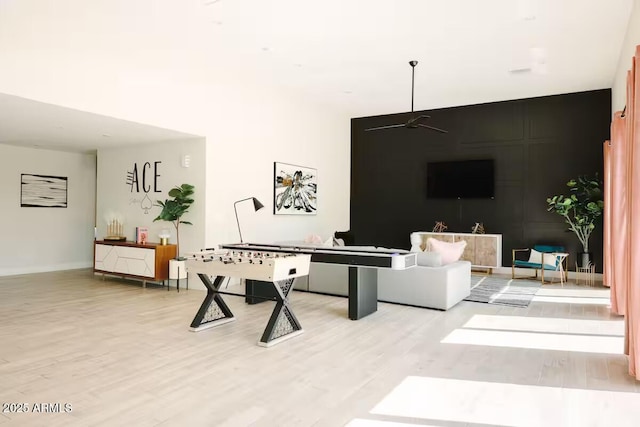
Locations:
(45, 268)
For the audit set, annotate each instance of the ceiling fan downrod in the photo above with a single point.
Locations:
(413, 73)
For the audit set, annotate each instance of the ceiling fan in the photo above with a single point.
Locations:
(415, 121)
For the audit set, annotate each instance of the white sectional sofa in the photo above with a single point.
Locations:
(439, 287)
(430, 284)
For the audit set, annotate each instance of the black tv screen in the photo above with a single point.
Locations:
(467, 179)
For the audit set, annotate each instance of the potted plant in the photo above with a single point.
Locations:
(174, 209)
(580, 210)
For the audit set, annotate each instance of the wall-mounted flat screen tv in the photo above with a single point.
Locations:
(466, 179)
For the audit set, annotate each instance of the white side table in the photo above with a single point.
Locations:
(586, 274)
(177, 271)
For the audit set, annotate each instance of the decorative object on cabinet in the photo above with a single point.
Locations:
(142, 235)
(580, 210)
(149, 262)
(256, 207)
(43, 191)
(295, 190)
(478, 228)
(174, 209)
(439, 227)
(115, 228)
(164, 236)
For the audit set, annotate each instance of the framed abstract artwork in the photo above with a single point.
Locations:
(295, 190)
(43, 191)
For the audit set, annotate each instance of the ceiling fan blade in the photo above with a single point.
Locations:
(423, 116)
(431, 127)
(386, 127)
(413, 120)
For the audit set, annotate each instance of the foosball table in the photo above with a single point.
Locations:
(276, 268)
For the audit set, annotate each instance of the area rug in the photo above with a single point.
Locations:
(503, 291)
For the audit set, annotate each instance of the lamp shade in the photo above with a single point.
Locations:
(256, 204)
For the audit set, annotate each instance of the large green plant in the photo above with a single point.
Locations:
(174, 209)
(581, 208)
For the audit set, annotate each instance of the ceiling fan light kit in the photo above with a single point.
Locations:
(415, 121)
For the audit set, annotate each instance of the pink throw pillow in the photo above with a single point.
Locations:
(313, 239)
(449, 251)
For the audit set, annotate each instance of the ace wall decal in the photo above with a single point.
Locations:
(43, 191)
(295, 191)
(143, 178)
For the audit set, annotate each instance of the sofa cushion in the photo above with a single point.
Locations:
(536, 265)
(429, 259)
(383, 249)
(449, 251)
(550, 260)
(416, 242)
(313, 239)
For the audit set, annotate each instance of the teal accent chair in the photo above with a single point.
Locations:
(559, 264)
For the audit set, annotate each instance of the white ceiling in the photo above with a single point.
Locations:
(38, 125)
(355, 53)
(350, 55)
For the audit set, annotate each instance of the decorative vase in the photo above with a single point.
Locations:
(584, 259)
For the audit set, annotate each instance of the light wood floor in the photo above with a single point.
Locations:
(123, 356)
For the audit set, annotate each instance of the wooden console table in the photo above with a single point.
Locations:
(147, 262)
(483, 250)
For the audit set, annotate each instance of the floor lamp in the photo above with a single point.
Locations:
(256, 206)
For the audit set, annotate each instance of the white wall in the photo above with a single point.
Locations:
(247, 124)
(240, 164)
(46, 239)
(116, 198)
(628, 50)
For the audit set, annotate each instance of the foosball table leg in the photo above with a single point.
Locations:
(213, 311)
(283, 324)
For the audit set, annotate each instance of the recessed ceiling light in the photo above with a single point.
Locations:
(265, 49)
(348, 92)
(106, 135)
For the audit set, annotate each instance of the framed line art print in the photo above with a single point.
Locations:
(295, 190)
(43, 191)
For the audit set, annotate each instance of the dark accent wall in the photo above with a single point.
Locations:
(537, 144)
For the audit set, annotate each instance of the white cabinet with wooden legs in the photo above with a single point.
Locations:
(147, 262)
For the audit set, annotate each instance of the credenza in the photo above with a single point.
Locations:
(147, 262)
(482, 250)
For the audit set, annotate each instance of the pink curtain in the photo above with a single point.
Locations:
(622, 216)
(632, 315)
(616, 213)
(606, 269)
